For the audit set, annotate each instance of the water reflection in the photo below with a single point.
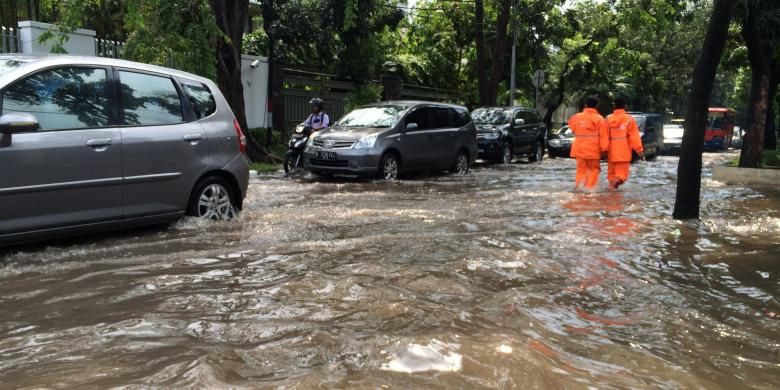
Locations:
(501, 279)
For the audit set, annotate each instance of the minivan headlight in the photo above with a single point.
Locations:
(366, 142)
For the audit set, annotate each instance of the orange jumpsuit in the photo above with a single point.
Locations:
(623, 138)
(591, 138)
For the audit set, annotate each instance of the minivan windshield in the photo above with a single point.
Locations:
(8, 65)
(490, 116)
(378, 116)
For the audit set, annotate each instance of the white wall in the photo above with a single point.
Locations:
(256, 90)
(81, 42)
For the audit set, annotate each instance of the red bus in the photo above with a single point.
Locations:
(720, 128)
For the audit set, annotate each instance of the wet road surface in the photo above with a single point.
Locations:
(500, 279)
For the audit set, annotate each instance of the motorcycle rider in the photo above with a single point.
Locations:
(318, 119)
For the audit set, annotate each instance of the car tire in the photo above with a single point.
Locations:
(389, 167)
(213, 198)
(538, 153)
(506, 154)
(461, 165)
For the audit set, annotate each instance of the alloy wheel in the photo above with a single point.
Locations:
(214, 203)
(390, 168)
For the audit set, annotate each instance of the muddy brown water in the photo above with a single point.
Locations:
(500, 279)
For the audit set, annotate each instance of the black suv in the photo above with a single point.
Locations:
(651, 129)
(504, 132)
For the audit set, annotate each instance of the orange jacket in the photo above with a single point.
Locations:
(591, 135)
(623, 136)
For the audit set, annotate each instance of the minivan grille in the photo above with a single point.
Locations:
(329, 163)
(336, 144)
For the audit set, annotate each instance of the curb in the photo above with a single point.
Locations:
(733, 175)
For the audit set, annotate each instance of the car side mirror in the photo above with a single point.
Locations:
(18, 122)
(411, 127)
(519, 122)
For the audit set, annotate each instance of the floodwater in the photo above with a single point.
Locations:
(500, 279)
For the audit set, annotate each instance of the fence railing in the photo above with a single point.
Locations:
(109, 49)
(9, 40)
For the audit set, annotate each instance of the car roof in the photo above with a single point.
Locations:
(46, 60)
(518, 108)
(413, 103)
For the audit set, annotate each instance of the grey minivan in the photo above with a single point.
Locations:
(91, 144)
(389, 138)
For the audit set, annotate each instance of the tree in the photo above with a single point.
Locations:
(231, 17)
(687, 199)
(758, 48)
(489, 81)
(770, 135)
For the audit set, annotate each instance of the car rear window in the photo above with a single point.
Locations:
(460, 117)
(149, 100)
(201, 98)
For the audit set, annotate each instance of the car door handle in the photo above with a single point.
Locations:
(99, 144)
(193, 139)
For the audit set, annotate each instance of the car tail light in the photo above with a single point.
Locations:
(241, 136)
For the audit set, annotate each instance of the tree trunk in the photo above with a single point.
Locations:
(759, 55)
(231, 16)
(30, 15)
(687, 200)
(770, 136)
(268, 18)
(14, 15)
(499, 52)
(2, 14)
(479, 36)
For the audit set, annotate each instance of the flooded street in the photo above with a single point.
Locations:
(500, 279)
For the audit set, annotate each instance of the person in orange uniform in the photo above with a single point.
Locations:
(623, 138)
(591, 141)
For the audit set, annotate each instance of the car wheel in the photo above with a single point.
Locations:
(390, 167)
(461, 165)
(506, 154)
(212, 199)
(538, 153)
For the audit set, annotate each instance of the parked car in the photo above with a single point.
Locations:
(673, 134)
(559, 143)
(651, 129)
(92, 144)
(505, 132)
(390, 138)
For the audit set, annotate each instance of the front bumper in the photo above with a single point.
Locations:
(715, 143)
(488, 148)
(361, 162)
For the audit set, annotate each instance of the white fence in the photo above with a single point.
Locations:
(109, 49)
(9, 40)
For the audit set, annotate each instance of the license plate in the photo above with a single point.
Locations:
(480, 150)
(326, 155)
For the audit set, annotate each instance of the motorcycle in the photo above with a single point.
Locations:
(294, 158)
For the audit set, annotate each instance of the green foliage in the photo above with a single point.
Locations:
(771, 160)
(261, 167)
(362, 95)
(177, 33)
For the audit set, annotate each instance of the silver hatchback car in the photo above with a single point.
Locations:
(91, 144)
(389, 138)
